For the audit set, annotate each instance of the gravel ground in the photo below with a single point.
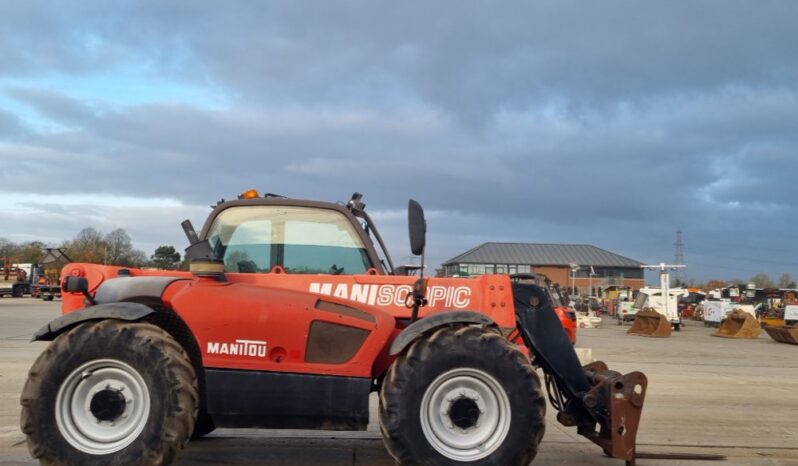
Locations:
(708, 396)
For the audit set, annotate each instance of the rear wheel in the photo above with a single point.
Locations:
(110, 392)
(462, 395)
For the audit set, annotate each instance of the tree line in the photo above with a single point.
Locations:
(760, 280)
(91, 245)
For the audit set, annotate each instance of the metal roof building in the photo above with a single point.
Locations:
(599, 266)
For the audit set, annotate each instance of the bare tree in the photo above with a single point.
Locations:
(786, 281)
(87, 246)
(118, 247)
(762, 280)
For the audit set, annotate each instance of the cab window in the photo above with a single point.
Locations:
(255, 239)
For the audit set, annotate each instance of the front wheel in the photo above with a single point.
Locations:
(109, 393)
(464, 395)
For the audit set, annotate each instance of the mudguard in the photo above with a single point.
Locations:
(133, 288)
(419, 327)
(122, 311)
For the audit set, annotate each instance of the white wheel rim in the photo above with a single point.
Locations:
(107, 388)
(476, 436)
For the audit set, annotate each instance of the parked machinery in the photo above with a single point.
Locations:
(658, 307)
(729, 299)
(789, 332)
(290, 316)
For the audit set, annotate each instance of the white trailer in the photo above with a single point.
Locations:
(667, 306)
(715, 312)
(664, 299)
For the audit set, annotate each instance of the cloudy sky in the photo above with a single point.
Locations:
(609, 123)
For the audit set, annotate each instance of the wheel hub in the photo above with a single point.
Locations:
(107, 404)
(102, 406)
(465, 414)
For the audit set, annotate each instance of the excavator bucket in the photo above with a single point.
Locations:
(650, 323)
(783, 334)
(739, 324)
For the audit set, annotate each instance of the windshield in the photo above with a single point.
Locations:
(255, 239)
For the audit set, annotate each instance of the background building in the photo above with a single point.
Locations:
(588, 268)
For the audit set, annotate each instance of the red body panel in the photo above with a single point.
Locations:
(275, 311)
(568, 324)
(221, 313)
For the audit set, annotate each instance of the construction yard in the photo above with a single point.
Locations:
(707, 396)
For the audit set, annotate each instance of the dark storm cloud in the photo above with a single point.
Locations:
(610, 123)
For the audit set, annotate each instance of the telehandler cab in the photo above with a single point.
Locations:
(289, 317)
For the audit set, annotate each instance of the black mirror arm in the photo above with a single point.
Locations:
(78, 285)
(418, 295)
(89, 298)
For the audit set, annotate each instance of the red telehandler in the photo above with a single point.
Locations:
(291, 314)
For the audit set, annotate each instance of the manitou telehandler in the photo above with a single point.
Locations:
(289, 317)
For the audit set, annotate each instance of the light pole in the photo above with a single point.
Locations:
(574, 268)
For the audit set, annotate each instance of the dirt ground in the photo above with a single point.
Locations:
(708, 396)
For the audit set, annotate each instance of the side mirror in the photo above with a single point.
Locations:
(76, 285)
(417, 227)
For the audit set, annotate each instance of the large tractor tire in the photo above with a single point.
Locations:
(110, 393)
(462, 395)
